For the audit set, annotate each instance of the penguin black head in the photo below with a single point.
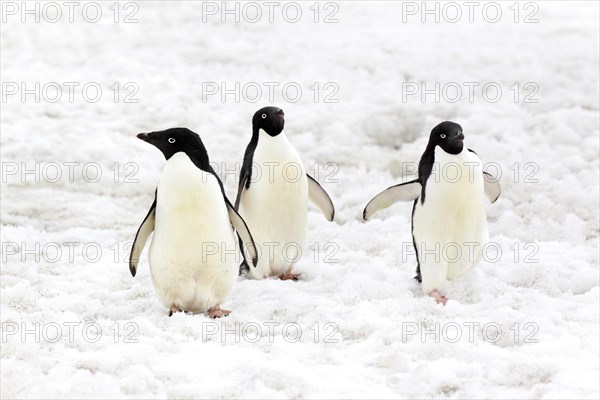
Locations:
(174, 140)
(449, 136)
(269, 119)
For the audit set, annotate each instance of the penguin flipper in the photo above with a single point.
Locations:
(491, 186)
(408, 191)
(319, 196)
(246, 172)
(243, 232)
(244, 184)
(141, 237)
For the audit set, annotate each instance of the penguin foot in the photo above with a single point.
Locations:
(174, 310)
(438, 297)
(286, 276)
(216, 312)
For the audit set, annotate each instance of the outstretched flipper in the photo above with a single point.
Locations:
(319, 196)
(243, 232)
(408, 191)
(141, 237)
(491, 187)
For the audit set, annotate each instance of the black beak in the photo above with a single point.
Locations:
(279, 113)
(460, 136)
(144, 137)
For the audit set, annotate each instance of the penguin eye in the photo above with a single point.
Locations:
(171, 140)
(264, 116)
(443, 136)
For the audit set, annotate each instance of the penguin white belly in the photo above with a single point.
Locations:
(450, 227)
(193, 257)
(276, 204)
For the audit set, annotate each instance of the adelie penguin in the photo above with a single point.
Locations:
(273, 194)
(448, 208)
(191, 260)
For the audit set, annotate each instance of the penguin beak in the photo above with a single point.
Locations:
(279, 113)
(144, 137)
(460, 136)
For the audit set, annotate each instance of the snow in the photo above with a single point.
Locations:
(371, 319)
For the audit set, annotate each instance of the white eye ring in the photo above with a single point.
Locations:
(171, 140)
(264, 116)
(443, 136)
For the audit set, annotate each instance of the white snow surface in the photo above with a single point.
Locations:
(364, 305)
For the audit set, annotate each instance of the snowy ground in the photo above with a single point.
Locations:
(356, 325)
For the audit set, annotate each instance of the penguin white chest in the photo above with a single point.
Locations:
(192, 255)
(276, 204)
(449, 226)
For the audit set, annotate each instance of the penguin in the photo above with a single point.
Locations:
(273, 194)
(193, 255)
(449, 224)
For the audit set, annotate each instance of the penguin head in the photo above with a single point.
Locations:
(269, 119)
(174, 140)
(449, 136)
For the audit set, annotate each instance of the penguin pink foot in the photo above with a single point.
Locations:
(438, 297)
(286, 276)
(216, 312)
